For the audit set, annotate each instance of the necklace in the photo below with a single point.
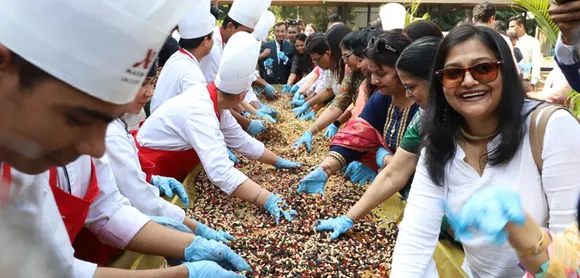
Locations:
(476, 138)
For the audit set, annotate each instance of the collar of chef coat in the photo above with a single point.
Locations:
(189, 55)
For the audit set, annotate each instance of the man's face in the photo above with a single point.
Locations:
(514, 26)
(292, 32)
(280, 32)
(50, 123)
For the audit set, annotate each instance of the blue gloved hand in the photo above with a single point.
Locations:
(297, 96)
(360, 173)
(297, 102)
(488, 211)
(256, 127)
(282, 56)
(314, 182)
(208, 269)
(260, 113)
(305, 139)
(233, 157)
(170, 185)
(310, 115)
(269, 63)
(301, 110)
(380, 157)
(269, 110)
(286, 89)
(338, 225)
(170, 223)
(202, 249)
(272, 207)
(259, 91)
(263, 106)
(270, 91)
(294, 89)
(282, 163)
(246, 114)
(330, 131)
(209, 233)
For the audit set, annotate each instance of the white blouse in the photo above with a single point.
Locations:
(550, 199)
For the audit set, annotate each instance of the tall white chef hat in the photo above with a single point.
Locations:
(198, 22)
(264, 25)
(393, 16)
(238, 64)
(248, 12)
(101, 47)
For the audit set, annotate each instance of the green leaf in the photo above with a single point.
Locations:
(539, 8)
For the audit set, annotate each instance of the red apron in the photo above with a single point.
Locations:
(176, 164)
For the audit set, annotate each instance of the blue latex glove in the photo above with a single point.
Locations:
(202, 249)
(330, 131)
(269, 63)
(310, 115)
(360, 173)
(301, 110)
(297, 102)
(170, 223)
(282, 56)
(380, 157)
(256, 127)
(233, 157)
(263, 106)
(246, 114)
(170, 185)
(208, 269)
(314, 182)
(286, 89)
(282, 163)
(270, 91)
(272, 207)
(305, 139)
(209, 233)
(297, 96)
(265, 116)
(488, 211)
(259, 91)
(269, 110)
(294, 89)
(338, 225)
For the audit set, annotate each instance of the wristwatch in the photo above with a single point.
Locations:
(337, 123)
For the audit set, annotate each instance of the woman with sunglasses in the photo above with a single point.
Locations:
(382, 122)
(325, 52)
(476, 130)
(414, 71)
(352, 47)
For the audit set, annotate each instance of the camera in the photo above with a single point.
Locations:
(214, 10)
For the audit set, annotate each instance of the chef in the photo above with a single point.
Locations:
(56, 101)
(196, 126)
(135, 184)
(86, 194)
(182, 70)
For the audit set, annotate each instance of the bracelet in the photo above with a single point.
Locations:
(338, 157)
(259, 193)
(315, 127)
(337, 123)
(325, 168)
(538, 248)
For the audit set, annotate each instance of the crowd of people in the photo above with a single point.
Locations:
(96, 130)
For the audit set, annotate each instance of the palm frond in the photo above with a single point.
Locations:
(573, 103)
(539, 8)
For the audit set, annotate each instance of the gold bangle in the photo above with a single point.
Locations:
(537, 249)
(338, 157)
(315, 127)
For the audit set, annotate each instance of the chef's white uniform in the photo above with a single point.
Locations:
(210, 63)
(190, 121)
(131, 179)
(180, 72)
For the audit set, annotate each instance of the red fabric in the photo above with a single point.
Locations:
(73, 209)
(175, 164)
(186, 53)
(361, 136)
(147, 165)
(6, 183)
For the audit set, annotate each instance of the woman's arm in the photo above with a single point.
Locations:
(291, 79)
(389, 181)
(327, 117)
(522, 238)
(560, 175)
(419, 230)
(248, 107)
(320, 97)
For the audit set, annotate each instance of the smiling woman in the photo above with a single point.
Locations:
(476, 138)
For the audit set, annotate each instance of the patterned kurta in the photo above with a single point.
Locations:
(348, 89)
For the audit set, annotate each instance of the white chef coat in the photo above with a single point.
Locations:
(551, 200)
(250, 96)
(110, 216)
(131, 179)
(531, 50)
(211, 63)
(189, 120)
(179, 73)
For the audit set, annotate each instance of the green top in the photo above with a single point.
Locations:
(412, 139)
